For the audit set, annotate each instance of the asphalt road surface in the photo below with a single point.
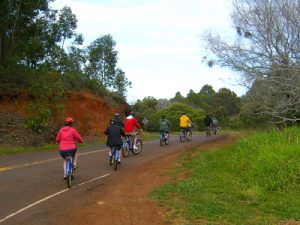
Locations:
(32, 190)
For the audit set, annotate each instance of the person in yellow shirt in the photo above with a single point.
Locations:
(185, 124)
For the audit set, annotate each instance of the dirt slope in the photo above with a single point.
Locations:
(91, 115)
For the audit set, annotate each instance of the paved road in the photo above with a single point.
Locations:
(32, 190)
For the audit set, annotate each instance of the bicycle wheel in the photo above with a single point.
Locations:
(69, 181)
(189, 136)
(181, 136)
(166, 141)
(139, 145)
(114, 163)
(125, 150)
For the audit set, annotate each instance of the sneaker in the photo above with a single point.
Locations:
(65, 177)
(135, 148)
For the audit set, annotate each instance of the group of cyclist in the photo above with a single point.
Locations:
(116, 131)
(210, 123)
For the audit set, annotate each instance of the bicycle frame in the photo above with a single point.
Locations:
(69, 170)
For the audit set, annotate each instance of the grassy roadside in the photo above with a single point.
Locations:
(255, 181)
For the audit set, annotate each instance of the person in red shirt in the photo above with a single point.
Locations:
(67, 137)
(129, 125)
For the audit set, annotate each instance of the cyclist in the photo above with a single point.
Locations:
(129, 125)
(215, 124)
(114, 136)
(185, 123)
(208, 123)
(164, 126)
(67, 137)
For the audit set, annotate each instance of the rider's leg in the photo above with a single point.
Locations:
(161, 135)
(119, 154)
(134, 143)
(75, 160)
(64, 167)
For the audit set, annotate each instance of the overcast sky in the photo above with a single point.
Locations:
(159, 42)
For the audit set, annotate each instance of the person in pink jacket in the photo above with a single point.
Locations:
(67, 137)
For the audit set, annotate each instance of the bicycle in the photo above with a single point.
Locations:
(185, 136)
(114, 157)
(69, 170)
(164, 138)
(215, 129)
(128, 145)
(208, 131)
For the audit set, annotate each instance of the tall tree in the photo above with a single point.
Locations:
(121, 82)
(266, 52)
(23, 24)
(102, 58)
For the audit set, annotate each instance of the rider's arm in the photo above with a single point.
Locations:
(122, 132)
(136, 123)
(77, 136)
(58, 137)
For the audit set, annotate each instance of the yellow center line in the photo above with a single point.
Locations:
(2, 169)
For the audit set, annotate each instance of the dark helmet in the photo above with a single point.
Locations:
(163, 116)
(117, 115)
(132, 113)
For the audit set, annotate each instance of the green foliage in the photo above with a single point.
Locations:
(255, 181)
(47, 91)
(147, 109)
(39, 117)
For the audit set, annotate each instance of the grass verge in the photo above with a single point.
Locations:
(255, 181)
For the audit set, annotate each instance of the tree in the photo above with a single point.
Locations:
(66, 25)
(121, 82)
(265, 52)
(228, 100)
(103, 60)
(178, 98)
(23, 28)
(206, 97)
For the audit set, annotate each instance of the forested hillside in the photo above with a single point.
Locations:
(46, 73)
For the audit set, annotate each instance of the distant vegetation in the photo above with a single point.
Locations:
(255, 181)
(40, 52)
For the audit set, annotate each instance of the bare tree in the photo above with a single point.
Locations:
(266, 52)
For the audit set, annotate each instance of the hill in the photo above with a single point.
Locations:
(91, 115)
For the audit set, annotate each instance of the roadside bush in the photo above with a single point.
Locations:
(46, 91)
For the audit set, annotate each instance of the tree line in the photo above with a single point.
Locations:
(224, 104)
(33, 40)
(265, 51)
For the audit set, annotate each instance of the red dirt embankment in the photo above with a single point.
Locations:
(91, 113)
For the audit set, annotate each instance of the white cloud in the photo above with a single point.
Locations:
(159, 43)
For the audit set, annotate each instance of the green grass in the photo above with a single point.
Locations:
(255, 181)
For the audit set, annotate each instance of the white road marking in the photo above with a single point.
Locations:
(48, 197)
